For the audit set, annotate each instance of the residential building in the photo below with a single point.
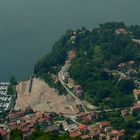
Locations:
(72, 54)
(121, 31)
(136, 93)
(78, 90)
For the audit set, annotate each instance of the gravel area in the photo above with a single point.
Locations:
(43, 98)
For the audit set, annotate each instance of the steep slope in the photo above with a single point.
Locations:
(98, 65)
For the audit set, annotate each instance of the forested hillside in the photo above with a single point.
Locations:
(99, 53)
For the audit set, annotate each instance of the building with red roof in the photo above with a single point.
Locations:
(72, 54)
(103, 125)
(20, 113)
(83, 127)
(136, 93)
(121, 31)
(102, 136)
(75, 134)
(94, 135)
(125, 112)
(78, 90)
(38, 115)
(12, 117)
(135, 108)
(87, 119)
(41, 121)
(85, 137)
(3, 132)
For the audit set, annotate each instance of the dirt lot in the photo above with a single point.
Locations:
(43, 98)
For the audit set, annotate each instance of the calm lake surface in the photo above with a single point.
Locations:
(28, 28)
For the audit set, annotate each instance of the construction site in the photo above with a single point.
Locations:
(40, 97)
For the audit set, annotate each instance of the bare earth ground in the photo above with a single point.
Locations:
(43, 98)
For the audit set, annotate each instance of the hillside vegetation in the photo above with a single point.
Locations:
(99, 52)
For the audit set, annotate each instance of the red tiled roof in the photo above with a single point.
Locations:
(81, 114)
(94, 134)
(104, 124)
(114, 139)
(30, 126)
(38, 115)
(121, 30)
(47, 118)
(95, 128)
(100, 130)
(121, 134)
(12, 116)
(78, 87)
(136, 106)
(12, 124)
(33, 122)
(93, 113)
(20, 113)
(22, 125)
(102, 135)
(114, 132)
(3, 132)
(136, 92)
(82, 127)
(76, 134)
(22, 119)
(41, 120)
(13, 127)
(87, 119)
(26, 130)
(84, 137)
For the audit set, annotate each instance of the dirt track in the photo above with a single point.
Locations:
(43, 98)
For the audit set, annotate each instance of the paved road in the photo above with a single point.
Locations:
(136, 40)
(64, 68)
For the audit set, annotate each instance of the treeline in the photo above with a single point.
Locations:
(99, 51)
(131, 127)
(55, 58)
(17, 134)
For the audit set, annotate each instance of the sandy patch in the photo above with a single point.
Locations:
(43, 98)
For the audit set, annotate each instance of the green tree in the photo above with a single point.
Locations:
(16, 134)
(13, 80)
(1, 137)
(61, 127)
(136, 136)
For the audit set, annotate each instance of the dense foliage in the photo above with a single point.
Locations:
(99, 51)
(16, 134)
(37, 135)
(53, 60)
(12, 86)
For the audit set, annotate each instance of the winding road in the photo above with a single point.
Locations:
(65, 68)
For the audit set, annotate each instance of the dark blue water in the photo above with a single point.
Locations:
(28, 28)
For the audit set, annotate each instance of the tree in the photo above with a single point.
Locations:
(98, 53)
(127, 86)
(16, 134)
(136, 136)
(13, 80)
(61, 127)
(10, 89)
(1, 137)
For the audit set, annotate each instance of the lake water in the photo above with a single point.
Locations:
(28, 28)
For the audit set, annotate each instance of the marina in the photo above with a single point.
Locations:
(5, 98)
